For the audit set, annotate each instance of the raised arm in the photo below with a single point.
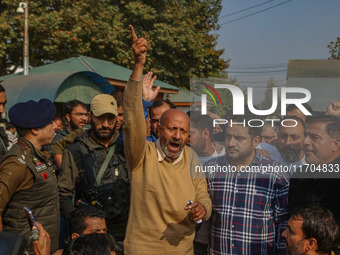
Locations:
(139, 46)
(149, 94)
(333, 109)
(135, 130)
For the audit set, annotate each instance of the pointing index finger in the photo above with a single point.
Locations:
(133, 33)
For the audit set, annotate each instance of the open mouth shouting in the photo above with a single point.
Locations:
(172, 148)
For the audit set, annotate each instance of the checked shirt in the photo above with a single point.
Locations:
(250, 209)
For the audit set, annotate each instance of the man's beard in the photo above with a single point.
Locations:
(100, 136)
(296, 250)
(164, 145)
(292, 156)
(74, 126)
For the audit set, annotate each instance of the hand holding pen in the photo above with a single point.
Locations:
(197, 211)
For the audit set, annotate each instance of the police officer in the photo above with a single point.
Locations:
(27, 178)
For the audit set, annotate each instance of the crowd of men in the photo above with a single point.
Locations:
(115, 188)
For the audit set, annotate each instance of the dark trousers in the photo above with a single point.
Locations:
(200, 248)
(63, 233)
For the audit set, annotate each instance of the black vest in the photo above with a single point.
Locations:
(113, 193)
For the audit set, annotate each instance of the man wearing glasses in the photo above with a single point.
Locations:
(155, 113)
(76, 116)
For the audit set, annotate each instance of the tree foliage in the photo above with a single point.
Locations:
(180, 32)
(334, 49)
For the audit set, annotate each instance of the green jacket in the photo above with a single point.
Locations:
(41, 198)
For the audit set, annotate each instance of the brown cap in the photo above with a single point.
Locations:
(103, 103)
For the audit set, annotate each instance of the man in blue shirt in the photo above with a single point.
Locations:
(155, 114)
(249, 193)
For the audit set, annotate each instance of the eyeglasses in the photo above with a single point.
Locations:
(81, 114)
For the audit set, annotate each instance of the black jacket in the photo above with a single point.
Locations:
(82, 161)
(316, 190)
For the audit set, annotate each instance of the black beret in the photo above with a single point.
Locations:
(32, 114)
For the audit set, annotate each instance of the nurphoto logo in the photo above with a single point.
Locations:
(238, 105)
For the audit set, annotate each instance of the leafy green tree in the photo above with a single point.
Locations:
(334, 49)
(181, 34)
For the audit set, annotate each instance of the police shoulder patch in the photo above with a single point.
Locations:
(21, 161)
(22, 157)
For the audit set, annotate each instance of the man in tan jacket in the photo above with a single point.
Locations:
(162, 175)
